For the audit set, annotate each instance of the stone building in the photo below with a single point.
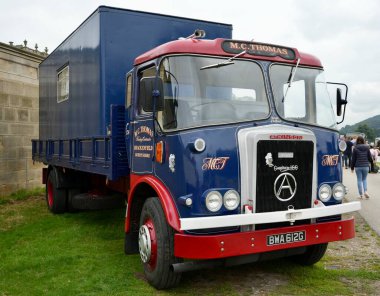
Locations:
(18, 116)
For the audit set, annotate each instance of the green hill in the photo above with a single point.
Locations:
(373, 122)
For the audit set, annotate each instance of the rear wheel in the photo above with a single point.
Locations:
(156, 246)
(55, 198)
(312, 255)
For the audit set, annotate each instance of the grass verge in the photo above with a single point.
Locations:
(82, 254)
(21, 194)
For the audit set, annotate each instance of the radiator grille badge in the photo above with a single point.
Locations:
(269, 159)
(285, 187)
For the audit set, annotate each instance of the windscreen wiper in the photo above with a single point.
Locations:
(226, 63)
(290, 79)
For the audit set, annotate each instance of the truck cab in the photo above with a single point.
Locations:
(237, 142)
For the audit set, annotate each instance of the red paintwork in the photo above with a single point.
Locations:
(153, 256)
(214, 47)
(243, 243)
(164, 195)
(285, 137)
(50, 194)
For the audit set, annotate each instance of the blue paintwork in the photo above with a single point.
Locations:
(104, 155)
(190, 179)
(76, 117)
(327, 144)
(100, 53)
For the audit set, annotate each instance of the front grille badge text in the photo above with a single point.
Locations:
(282, 169)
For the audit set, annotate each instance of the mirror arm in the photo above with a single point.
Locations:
(155, 94)
(344, 113)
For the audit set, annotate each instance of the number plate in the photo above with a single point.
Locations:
(286, 238)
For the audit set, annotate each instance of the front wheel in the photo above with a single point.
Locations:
(312, 255)
(156, 246)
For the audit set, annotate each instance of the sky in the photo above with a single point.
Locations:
(343, 34)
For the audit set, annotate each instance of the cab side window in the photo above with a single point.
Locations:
(128, 92)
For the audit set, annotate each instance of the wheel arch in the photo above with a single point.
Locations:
(51, 168)
(65, 178)
(143, 187)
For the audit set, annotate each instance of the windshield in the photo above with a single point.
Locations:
(195, 97)
(307, 99)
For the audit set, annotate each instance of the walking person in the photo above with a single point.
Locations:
(347, 153)
(361, 160)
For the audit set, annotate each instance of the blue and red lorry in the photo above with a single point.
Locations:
(224, 151)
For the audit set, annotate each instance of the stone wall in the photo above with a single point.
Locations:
(18, 118)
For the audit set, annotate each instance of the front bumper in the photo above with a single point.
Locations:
(290, 215)
(251, 242)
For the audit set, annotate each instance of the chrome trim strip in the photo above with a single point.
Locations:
(269, 217)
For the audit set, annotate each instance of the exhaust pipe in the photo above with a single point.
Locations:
(197, 34)
(195, 265)
(213, 263)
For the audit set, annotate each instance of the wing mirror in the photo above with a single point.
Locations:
(340, 101)
(151, 91)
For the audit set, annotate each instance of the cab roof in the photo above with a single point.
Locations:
(230, 48)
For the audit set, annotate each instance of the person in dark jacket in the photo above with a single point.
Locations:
(347, 153)
(361, 160)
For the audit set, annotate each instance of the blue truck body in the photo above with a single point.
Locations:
(100, 52)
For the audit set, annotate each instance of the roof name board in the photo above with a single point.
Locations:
(258, 49)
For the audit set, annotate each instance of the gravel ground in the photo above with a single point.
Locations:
(362, 252)
(359, 253)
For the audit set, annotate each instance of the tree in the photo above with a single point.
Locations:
(346, 129)
(369, 132)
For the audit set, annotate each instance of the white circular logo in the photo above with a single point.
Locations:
(285, 187)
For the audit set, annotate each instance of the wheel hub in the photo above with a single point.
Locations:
(145, 246)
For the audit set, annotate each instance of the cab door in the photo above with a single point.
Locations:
(141, 130)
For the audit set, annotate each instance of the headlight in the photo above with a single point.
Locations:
(324, 193)
(231, 200)
(214, 201)
(199, 145)
(338, 191)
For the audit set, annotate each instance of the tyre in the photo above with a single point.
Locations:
(55, 198)
(156, 246)
(312, 255)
